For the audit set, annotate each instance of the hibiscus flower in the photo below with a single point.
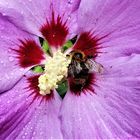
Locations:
(101, 69)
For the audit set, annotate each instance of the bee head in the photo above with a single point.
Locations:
(77, 55)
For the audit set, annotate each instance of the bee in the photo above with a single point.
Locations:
(80, 67)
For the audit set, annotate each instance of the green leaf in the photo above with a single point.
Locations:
(62, 89)
(45, 46)
(67, 45)
(38, 69)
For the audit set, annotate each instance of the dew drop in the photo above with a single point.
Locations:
(1, 62)
(21, 69)
(2, 36)
(69, 17)
(53, 35)
(34, 133)
(8, 102)
(23, 137)
(69, 1)
(25, 133)
(11, 58)
(19, 95)
(4, 14)
(9, 50)
(12, 73)
(80, 119)
(22, 12)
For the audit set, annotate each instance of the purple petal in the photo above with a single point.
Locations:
(116, 21)
(122, 66)
(34, 13)
(31, 13)
(69, 9)
(23, 116)
(113, 112)
(10, 71)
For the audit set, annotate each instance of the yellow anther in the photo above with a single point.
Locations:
(56, 69)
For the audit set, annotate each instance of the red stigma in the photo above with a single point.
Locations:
(29, 53)
(55, 31)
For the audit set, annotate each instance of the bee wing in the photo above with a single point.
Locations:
(95, 67)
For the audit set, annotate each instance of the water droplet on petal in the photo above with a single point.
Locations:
(80, 119)
(1, 62)
(23, 137)
(19, 95)
(12, 73)
(69, 1)
(11, 58)
(22, 12)
(69, 17)
(2, 36)
(8, 102)
(34, 133)
(21, 69)
(3, 14)
(9, 50)
(25, 133)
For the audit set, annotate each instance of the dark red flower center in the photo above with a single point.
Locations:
(29, 53)
(55, 31)
(87, 44)
(82, 84)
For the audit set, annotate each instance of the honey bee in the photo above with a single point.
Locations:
(80, 67)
